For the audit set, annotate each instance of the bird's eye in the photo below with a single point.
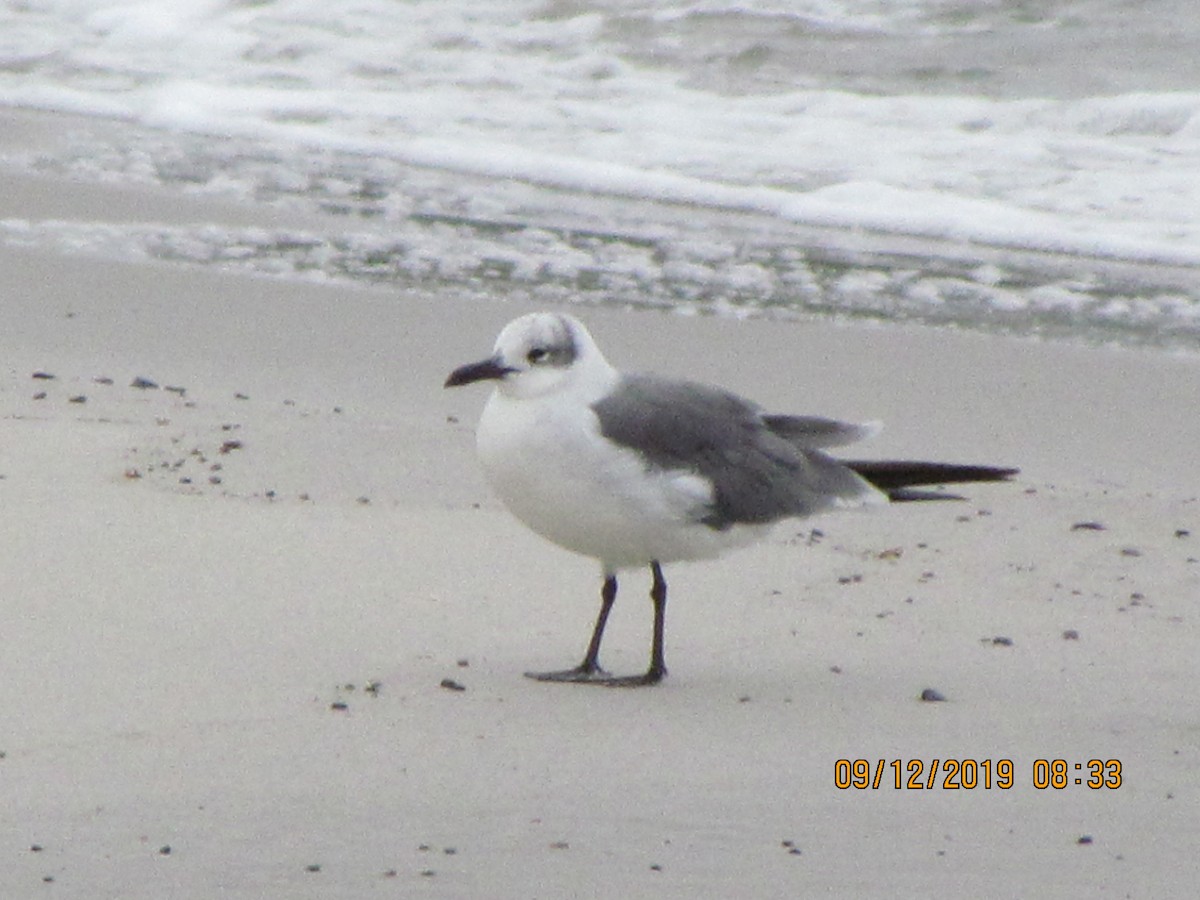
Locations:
(536, 355)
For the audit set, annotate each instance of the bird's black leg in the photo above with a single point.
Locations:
(658, 594)
(589, 670)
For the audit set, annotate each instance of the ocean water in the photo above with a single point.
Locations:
(1010, 165)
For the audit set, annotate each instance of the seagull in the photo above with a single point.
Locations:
(638, 470)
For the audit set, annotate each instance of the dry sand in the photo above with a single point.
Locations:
(228, 610)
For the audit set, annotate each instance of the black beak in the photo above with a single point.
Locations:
(479, 371)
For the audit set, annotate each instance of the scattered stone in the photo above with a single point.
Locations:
(78, 398)
(313, 867)
(1084, 839)
(463, 663)
(240, 396)
(655, 867)
(1088, 526)
(890, 553)
(560, 845)
(36, 848)
(450, 851)
(40, 395)
(144, 384)
(1001, 641)
(428, 873)
(165, 850)
(1182, 533)
(373, 688)
(43, 376)
(102, 379)
(1070, 635)
(390, 873)
(132, 474)
(363, 501)
(932, 695)
(453, 420)
(850, 579)
(230, 446)
(339, 706)
(1130, 551)
(451, 685)
(175, 389)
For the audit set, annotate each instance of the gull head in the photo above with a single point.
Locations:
(537, 355)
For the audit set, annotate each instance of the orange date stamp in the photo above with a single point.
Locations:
(973, 774)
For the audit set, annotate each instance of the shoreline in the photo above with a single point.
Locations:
(179, 651)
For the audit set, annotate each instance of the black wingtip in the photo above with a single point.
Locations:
(895, 476)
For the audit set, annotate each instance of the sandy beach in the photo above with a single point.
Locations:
(246, 547)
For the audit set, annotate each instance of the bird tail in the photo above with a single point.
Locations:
(898, 478)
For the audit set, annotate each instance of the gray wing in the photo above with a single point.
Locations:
(759, 472)
(816, 432)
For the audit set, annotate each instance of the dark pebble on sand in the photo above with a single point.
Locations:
(144, 384)
(932, 695)
(1088, 526)
(451, 685)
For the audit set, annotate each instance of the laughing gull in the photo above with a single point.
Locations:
(638, 470)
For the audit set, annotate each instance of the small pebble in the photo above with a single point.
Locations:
(1070, 635)
(313, 867)
(165, 850)
(932, 695)
(78, 398)
(1001, 641)
(1084, 839)
(1088, 526)
(339, 706)
(451, 685)
(144, 384)
(44, 376)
